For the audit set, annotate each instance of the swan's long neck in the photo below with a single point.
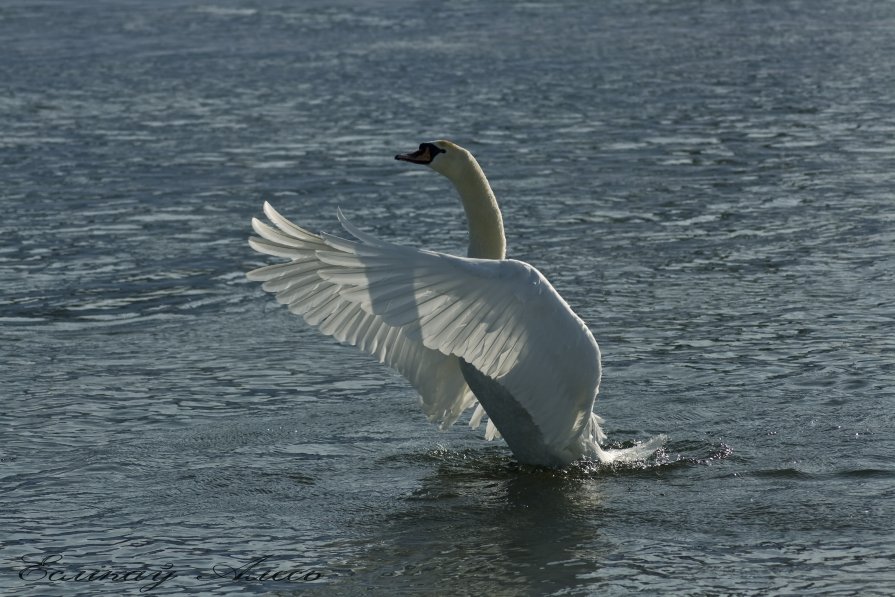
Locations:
(486, 239)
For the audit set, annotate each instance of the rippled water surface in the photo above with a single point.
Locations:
(709, 184)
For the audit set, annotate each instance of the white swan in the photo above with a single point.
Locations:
(459, 329)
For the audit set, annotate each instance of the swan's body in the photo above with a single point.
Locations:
(459, 329)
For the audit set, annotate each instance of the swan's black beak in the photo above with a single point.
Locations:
(424, 155)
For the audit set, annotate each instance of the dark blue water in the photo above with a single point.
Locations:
(709, 185)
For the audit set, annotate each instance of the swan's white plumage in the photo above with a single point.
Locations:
(421, 312)
(418, 311)
(300, 286)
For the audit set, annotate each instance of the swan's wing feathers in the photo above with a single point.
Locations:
(503, 317)
(298, 285)
(421, 311)
(295, 232)
(455, 305)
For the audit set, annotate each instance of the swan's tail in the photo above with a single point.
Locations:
(641, 451)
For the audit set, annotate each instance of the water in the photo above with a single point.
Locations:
(710, 186)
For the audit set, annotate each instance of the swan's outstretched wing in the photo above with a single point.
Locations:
(404, 304)
(298, 284)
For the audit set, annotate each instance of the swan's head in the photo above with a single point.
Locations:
(446, 158)
(486, 239)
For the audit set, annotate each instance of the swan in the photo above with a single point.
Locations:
(480, 330)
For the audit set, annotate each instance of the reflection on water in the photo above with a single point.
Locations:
(488, 524)
(480, 520)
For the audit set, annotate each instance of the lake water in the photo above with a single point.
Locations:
(711, 186)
